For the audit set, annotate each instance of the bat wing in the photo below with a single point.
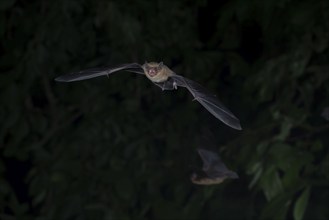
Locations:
(213, 165)
(208, 100)
(210, 161)
(95, 72)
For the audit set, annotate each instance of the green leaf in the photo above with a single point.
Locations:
(301, 204)
(257, 170)
(271, 183)
(285, 130)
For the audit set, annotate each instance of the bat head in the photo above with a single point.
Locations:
(152, 69)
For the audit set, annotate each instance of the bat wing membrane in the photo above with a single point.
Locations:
(95, 72)
(209, 101)
(213, 165)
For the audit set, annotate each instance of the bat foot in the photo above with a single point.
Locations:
(175, 85)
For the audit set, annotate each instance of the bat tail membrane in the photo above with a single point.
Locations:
(96, 72)
(209, 101)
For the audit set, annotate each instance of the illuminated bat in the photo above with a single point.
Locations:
(214, 170)
(166, 79)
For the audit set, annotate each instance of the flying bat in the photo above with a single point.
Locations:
(166, 79)
(214, 170)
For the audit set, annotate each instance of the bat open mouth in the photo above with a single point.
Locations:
(152, 72)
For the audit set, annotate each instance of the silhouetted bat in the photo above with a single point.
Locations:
(214, 169)
(166, 79)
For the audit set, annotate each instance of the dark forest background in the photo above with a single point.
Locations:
(120, 148)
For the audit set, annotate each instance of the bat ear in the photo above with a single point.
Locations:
(160, 64)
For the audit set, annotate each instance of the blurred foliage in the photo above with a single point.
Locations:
(120, 148)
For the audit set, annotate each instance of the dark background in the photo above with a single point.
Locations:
(120, 148)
